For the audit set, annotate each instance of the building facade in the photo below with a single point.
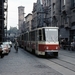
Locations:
(37, 15)
(47, 12)
(34, 16)
(72, 18)
(28, 21)
(3, 19)
(62, 15)
(20, 18)
(54, 13)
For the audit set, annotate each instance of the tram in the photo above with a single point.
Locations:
(41, 41)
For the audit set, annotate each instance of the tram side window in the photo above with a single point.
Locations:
(22, 37)
(40, 35)
(26, 36)
(44, 38)
(33, 35)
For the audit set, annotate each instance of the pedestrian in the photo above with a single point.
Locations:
(16, 46)
(69, 44)
(73, 45)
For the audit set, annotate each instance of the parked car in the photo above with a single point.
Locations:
(5, 49)
(1, 55)
(8, 45)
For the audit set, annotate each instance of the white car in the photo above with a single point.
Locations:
(10, 43)
(5, 49)
(1, 55)
(7, 43)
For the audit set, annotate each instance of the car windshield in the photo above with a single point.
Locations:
(5, 42)
(4, 46)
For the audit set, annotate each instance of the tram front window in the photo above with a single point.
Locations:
(51, 35)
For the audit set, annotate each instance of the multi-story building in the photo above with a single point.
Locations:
(62, 15)
(59, 13)
(72, 20)
(28, 20)
(47, 12)
(65, 19)
(46, 2)
(3, 19)
(38, 15)
(20, 18)
(34, 16)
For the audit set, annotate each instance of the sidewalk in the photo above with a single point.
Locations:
(67, 52)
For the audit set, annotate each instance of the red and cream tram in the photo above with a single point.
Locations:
(41, 41)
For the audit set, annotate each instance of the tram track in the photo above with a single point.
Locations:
(69, 56)
(67, 53)
(59, 66)
(66, 60)
(64, 64)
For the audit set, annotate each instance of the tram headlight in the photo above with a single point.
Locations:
(47, 48)
(56, 47)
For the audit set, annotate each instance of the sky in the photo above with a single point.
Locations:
(13, 10)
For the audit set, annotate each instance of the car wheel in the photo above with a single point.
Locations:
(2, 56)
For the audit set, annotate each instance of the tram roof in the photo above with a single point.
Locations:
(46, 27)
(42, 28)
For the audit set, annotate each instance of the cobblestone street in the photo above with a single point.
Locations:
(37, 37)
(23, 63)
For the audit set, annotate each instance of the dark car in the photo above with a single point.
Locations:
(1, 55)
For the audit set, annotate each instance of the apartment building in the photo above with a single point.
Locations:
(37, 15)
(34, 16)
(47, 12)
(59, 13)
(3, 19)
(72, 20)
(28, 21)
(62, 15)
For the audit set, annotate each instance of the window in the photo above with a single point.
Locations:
(32, 35)
(53, 6)
(40, 35)
(44, 39)
(74, 3)
(64, 2)
(51, 35)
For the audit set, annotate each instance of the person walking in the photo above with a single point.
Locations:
(73, 45)
(16, 46)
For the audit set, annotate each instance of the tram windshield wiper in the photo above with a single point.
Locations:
(53, 39)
